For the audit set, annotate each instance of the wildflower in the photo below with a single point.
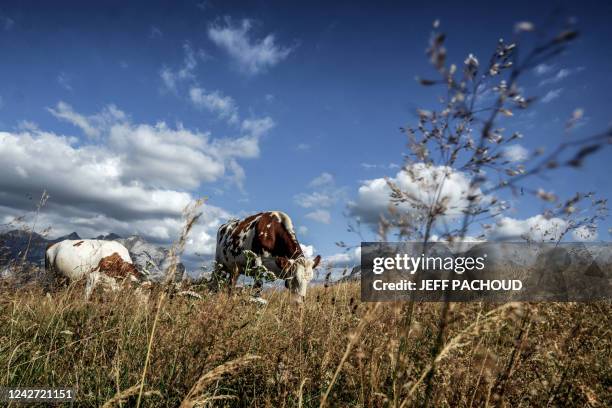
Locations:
(471, 65)
(546, 196)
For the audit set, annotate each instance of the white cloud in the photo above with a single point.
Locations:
(320, 201)
(552, 95)
(27, 125)
(258, 126)
(223, 106)
(302, 230)
(537, 228)
(92, 125)
(64, 111)
(252, 55)
(324, 179)
(315, 200)
(166, 157)
(516, 153)
(171, 157)
(64, 81)
(560, 75)
(88, 175)
(130, 178)
(173, 78)
(343, 259)
(309, 251)
(584, 234)
(370, 166)
(320, 215)
(421, 183)
(542, 69)
(303, 147)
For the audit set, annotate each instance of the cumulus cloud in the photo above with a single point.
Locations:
(537, 228)
(324, 196)
(516, 153)
(315, 199)
(584, 233)
(258, 126)
(223, 106)
(166, 157)
(324, 179)
(320, 215)
(88, 193)
(253, 56)
(421, 183)
(552, 95)
(309, 250)
(344, 259)
(169, 156)
(130, 178)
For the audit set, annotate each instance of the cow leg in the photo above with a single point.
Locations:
(92, 281)
(219, 278)
(257, 287)
(110, 283)
(258, 261)
(234, 275)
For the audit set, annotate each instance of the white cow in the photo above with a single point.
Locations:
(95, 260)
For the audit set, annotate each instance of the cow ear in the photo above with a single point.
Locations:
(282, 263)
(316, 261)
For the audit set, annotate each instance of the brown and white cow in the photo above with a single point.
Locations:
(270, 235)
(97, 261)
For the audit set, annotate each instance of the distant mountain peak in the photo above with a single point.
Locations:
(109, 237)
(73, 235)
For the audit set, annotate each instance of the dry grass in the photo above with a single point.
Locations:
(225, 351)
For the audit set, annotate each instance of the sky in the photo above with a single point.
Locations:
(126, 112)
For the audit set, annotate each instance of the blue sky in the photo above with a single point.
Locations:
(263, 104)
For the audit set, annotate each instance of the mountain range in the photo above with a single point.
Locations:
(24, 247)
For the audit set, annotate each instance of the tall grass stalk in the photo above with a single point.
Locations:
(191, 216)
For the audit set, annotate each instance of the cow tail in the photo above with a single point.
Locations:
(50, 272)
(50, 279)
(47, 259)
(47, 262)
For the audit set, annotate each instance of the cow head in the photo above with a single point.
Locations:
(300, 272)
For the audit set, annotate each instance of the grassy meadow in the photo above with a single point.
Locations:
(335, 351)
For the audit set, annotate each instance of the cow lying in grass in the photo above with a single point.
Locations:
(97, 261)
(271, 238)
